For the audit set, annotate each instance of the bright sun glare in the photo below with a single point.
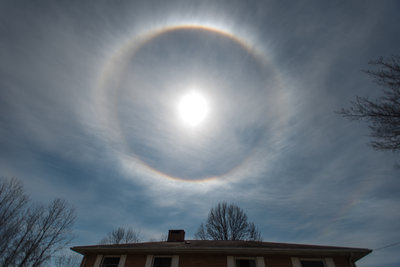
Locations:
(193, 108)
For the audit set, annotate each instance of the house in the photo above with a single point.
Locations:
(177, 251)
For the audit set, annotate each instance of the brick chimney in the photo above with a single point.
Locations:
(176, 236)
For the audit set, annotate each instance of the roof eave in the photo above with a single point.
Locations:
(356, 253)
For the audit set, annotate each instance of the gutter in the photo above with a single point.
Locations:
(355, 254)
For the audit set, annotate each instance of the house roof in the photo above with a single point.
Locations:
(223, 247)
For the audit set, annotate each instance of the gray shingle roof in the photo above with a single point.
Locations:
(222, 247)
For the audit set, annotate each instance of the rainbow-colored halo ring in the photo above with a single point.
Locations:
(106, 99)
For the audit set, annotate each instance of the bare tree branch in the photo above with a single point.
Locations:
(227, 222)
(382, 114)
(33, 233)
(67, 259)
(121, 235)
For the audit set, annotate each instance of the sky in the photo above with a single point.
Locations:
(92, 110)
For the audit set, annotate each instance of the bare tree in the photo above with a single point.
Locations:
(382, 114)
(227, 222)
(30, 234)
(12, 203)
(67, 259)
(201, 233)
(254, 233)
(121, 235)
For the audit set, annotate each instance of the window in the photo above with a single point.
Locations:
(312, 263)
(162, 262)
(110, 262)
(245, 263)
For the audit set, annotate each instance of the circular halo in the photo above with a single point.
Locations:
(106, 110)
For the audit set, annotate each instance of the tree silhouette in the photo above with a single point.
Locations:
(227, 222)
(30, 234)
(121, 235)
(383, 114)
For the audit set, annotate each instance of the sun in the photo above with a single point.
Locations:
(193, 108)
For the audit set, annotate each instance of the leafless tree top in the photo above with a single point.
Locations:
(121, 235)
(227, 222)
(382, 114)
(30, 234)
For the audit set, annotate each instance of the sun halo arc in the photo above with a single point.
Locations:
(114, 69)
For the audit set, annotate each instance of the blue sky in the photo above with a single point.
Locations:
(89, 93)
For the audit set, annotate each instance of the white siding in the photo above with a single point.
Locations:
(149, 261)
(296, 262)
(98, 261)
(175, 261)
(122, 260)
(230, 261)
(329, 262)
(260, 262)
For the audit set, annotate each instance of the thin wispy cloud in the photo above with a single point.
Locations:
(89, 97)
